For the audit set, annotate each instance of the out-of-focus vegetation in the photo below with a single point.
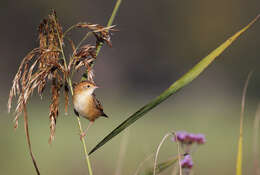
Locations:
(220, 125)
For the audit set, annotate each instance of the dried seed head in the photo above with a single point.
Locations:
(47, 62)
(38, 65)
(102, 33)
(54, 107)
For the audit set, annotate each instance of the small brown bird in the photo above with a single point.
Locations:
(86, 104)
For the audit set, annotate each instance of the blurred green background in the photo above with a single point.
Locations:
(157, 43)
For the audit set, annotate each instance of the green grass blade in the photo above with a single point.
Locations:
(180, 83)
(240, 141)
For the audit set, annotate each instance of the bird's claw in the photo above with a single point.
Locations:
(82, 135)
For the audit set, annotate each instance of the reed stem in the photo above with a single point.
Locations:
(110, 21)
(71, 90)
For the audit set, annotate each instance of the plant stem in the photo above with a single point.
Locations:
(157, 152)
(179, 152)
(68, 30)
(83, 39)
(85, 149)
(71, 90)
(240, 140)
(122, 152)
(81, 131)
(110, 21)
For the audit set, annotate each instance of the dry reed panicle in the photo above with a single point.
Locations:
(47, 63)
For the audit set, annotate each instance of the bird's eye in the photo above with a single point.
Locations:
(87, 86)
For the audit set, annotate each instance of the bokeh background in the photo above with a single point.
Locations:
(158, 42)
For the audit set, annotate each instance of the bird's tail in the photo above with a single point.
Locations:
(104, 115)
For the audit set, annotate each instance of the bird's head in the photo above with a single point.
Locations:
(86, 87)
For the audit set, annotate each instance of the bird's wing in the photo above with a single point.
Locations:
(97, 103)
(99, 106)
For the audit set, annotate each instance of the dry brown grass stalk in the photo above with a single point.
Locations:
(47, 63)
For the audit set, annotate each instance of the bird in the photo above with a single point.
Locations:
(86, 104)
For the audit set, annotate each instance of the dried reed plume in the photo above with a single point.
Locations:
(47, 63)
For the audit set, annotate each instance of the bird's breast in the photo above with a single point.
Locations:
(85, 106)
(81, 103)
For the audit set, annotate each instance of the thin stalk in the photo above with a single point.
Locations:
(240, 140)
(77, 47)
(110, 21)
(157, 152)
(85, 149)
(179, 152)
(82, 140)
(28, 138)
(69, 29)
(113, 15)
(83, 39)
(122, 152)
(71, 90)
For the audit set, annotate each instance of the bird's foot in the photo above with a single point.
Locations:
(82, 135)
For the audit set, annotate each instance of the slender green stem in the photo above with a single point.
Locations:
(83, 39)
(71, 90)
(179, 152)
(113, 15)
(110, 21)
(77, 47)
(69, 29)
(81, 131)
(85, 149)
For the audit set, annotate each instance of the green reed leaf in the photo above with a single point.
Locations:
(180, 83)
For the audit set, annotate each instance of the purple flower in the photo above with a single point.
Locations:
(200, 138)
(181, 136)
(189, 138)
(186, 162)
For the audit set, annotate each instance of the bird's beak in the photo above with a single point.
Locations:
(96, 87)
